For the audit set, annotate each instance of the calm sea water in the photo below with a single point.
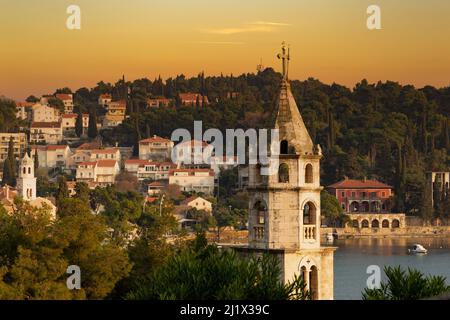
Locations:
(353, 256)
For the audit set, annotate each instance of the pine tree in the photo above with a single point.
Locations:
(92, 127)
(79, 123)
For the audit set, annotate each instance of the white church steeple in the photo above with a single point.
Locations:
(26, 183)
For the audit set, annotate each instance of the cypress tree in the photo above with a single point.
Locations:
(426, 209)
(138, 137)
(79, 123)
(400, 180)
(437, 203)
(92, 128)
(9, 166)
(447, 203)
(331, 130)
(36, 160)
(6, 172)
(63, 191)
(445, 136)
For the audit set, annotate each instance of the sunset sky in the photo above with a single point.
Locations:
(144, 38)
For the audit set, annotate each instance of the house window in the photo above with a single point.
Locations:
(343, 193)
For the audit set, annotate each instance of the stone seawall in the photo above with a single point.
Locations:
(343, 233)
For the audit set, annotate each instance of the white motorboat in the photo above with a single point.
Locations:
(418, 249)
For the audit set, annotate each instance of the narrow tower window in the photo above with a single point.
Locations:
(309, 173)
(283, 173)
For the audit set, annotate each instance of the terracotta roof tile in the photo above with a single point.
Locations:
(359, 184)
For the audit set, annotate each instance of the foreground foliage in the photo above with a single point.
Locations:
(207, 273)
(407, 285)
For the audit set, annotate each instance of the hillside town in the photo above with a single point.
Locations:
(96, 171)
(64, 143)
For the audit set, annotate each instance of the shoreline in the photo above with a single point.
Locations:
(407, 232)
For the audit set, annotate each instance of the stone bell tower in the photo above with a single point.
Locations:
(26, 183)
(284, 208)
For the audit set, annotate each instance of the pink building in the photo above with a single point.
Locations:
(362, 195)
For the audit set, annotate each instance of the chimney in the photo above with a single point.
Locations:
(365, 179)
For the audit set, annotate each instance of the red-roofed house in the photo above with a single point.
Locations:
(104, 99)
(24, 110)
(198, 203)
(149, 170)
(115, 113)
(105, 154)
(192, 153)
(106, 172)
(44, 113)
(46, 132)
(51, 156)
(67, 99)
(362, 195)
(193, 180)
(191, 99)
(159, 102)
(103, 172)
(155, 148)
(155, 188)
(69, 120)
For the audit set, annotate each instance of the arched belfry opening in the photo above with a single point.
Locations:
(260, 209)
(309, 213)
(314, 283)
(284, 147)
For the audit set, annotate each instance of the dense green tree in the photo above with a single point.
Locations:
(82, 191)
(331, 208)
(409, 285)
(36, 251)
(32, 99)
(210, 274)
(8, 118)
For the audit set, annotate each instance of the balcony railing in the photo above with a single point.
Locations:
(309, 232)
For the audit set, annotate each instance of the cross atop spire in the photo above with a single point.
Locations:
(285, 57)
